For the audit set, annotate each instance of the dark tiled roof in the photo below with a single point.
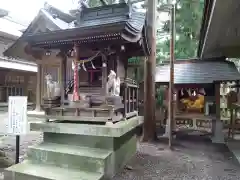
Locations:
(111, 22)
(16, 50)
(198, 72)
(91, 26)
(59, 14)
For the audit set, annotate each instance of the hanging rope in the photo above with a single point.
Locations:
(89, 59)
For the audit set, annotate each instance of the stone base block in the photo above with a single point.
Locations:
(217, 130)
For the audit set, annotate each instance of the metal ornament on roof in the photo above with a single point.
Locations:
(82, 3)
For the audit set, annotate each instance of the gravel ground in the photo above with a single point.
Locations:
(190, 160)
(193, 159)
(8, 145)
(8, 142)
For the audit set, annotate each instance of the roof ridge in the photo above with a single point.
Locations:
(68, 18)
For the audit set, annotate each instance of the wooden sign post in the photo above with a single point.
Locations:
(17, 119)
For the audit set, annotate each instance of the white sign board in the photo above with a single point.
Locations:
(17, 115)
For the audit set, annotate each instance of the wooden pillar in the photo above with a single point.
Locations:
(38, 87)
(237, 83)
(64, 71)
(217, 125)
(125, 96)
(104, 76)
(43, 81)
(133, 99)
(171, 81)
(62, 75)
(61, 80)
(76, 96)
(129, 99)
(116, 63)
(26, 81)
(137, 98)
(217, 100)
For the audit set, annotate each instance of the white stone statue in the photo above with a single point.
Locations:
(53, 88)
(113, 84)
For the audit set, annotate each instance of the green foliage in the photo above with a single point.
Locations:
(160, 96)
(134, 61)
(188, 22)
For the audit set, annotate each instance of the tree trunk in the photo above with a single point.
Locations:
(149, 125)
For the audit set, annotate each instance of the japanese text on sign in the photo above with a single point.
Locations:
(17, 115)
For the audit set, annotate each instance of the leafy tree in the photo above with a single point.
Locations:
(188, 22)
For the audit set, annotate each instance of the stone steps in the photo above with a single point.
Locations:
(79, 151)
(73, 157)
(31, 171)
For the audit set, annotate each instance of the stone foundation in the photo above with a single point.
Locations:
(79, 151)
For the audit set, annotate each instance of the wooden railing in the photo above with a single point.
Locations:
(130, 97)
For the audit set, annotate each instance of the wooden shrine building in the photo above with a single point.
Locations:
(198, 76)
(109, 34)
(87, 129)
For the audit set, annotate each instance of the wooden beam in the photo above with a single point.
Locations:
(52, 62)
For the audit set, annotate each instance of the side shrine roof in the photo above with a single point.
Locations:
(47, 19)
(198, 71)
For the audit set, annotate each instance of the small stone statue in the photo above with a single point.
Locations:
(53, 88)
(113, 84)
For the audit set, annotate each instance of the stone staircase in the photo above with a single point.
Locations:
(78, 151)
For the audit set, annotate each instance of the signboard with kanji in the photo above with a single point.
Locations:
(17, 115)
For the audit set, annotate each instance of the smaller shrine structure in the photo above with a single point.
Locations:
(197, 93)
(89, 103)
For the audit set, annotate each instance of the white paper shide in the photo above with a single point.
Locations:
(17, 115)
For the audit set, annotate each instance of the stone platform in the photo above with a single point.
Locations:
(79, 151)
(83, 114)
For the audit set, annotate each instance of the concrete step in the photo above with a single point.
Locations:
(100, 142)
(74, 157)
(115, 130)
(28, 170)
